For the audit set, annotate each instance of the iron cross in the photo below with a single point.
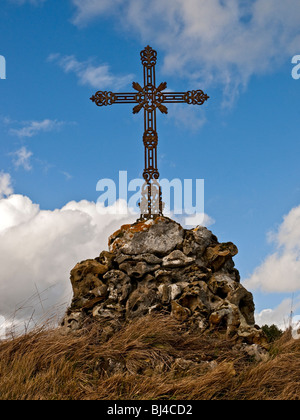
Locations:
(150, 98)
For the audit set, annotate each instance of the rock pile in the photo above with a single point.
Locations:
(157, 266)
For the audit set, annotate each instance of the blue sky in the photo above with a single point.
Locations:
(55, 144)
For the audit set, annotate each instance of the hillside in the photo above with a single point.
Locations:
(151, 358)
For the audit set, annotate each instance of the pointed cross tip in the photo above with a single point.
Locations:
(163, 109)
(137, 86)
(162, 86)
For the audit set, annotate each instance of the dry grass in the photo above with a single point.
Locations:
(44, 365)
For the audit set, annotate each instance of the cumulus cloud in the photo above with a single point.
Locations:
(212, 41)
(280, 315)
(16, 210)
(280, 272)
(21, 158)
(38, 248)
(89, 74)
(32, 128)
(5, 185)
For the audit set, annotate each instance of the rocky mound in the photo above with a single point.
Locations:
(157, 266)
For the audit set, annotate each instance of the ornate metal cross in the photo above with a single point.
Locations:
(150, 98)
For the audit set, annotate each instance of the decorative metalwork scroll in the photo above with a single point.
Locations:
(149, 97)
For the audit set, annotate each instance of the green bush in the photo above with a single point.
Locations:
(272, 332)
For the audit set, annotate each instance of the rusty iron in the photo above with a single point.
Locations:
(150, 98)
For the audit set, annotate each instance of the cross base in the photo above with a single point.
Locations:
(151, 204)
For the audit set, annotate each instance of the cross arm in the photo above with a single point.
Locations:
(109, 98)
(193, 97)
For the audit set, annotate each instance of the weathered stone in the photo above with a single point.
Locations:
(137, 269)
(256, 352)
(115, 276)
(218, 255)
(177, 259)
(204, 238)
(194, 273)
(149, 279)
(166, 276)
(85, 277)
(148, 258)
(100, 290)
(72, 322)
(90, 303)
(244, 301)
(196, 299)
(103, 313)
(140, 301)
(221, 285)
(120, 258)
(106, 258)
(168, 292)
(218, 316)
(175, 290)
(164, 293)
(118, 285)
(179, 312)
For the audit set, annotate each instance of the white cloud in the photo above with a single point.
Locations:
(38, 248)
(5, 185)
(2, 326)
(22, 158)
(66, 175)
(90, 8)
(99, 77)
(186, 117)
(280, 315)
(33, 2)
(32, 128)
(210, 42)
(16, 210)
(199, 219)
(280, 272)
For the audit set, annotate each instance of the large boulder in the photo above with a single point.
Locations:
(158, 237)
